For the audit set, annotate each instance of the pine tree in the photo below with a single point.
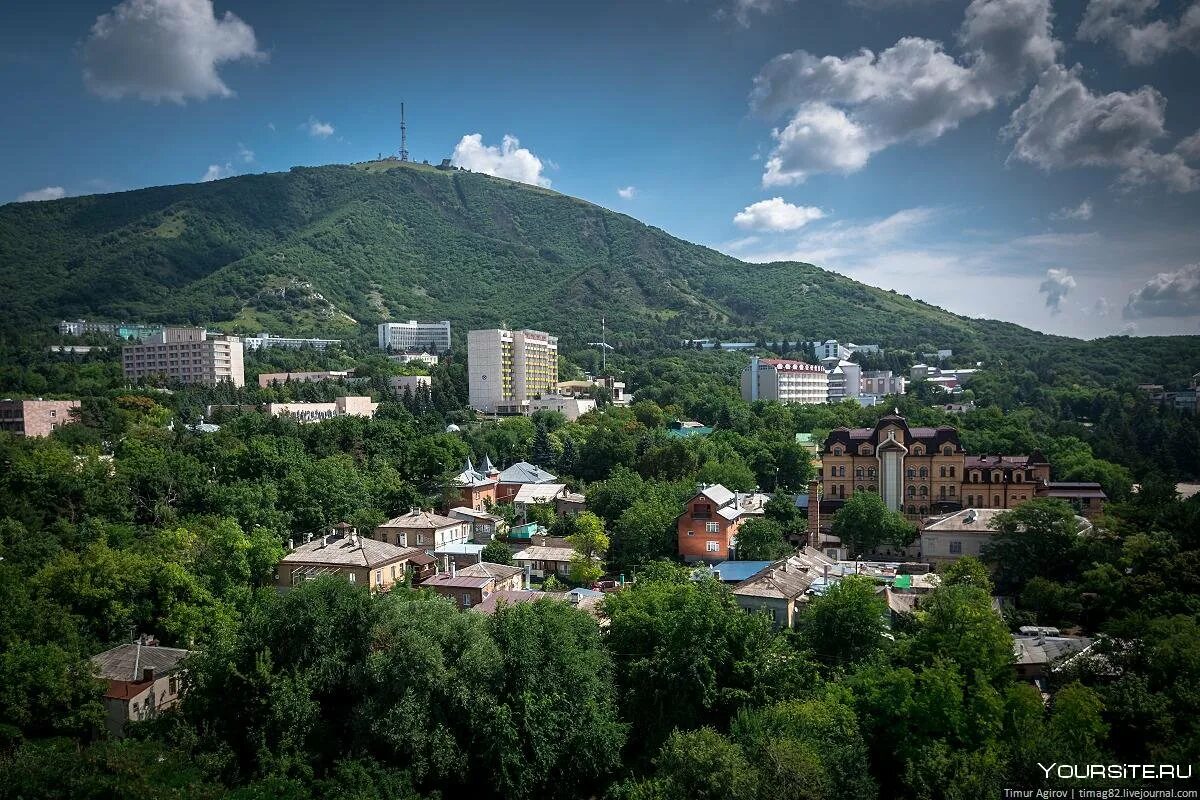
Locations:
(542, 452)
(570, 456)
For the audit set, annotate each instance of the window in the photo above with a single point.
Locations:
(691, 533)
(952, 491)
(712, 546)
(466, 600)
(975, 476)
(924, 509)
(870, 472)
(712, 527)
(860, 473)
(837, 451)
(352, 578)
(420, 538)
(942, 492)
(1018, 477)
(910, 472)
(943, 472)
(912, 491)
(918, 450)
(996, 476)
(951, 470)
(956, 548)
(379, 577)
(924, 472)
(948, 450)
(924, 491)
(997, 498)
(393, 573)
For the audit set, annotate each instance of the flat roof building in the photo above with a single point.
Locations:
(37, 418)
(267, 340)
(784, 381)
(186, 355)
(429, 337)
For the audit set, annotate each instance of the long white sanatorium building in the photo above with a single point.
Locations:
(432, 337)
(507, 369)
(187, 355)
(785, 381)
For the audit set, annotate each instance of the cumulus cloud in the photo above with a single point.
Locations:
(1079, 213)
(318, 129)
(841, 111)
(509, 160)
(245, 154)
(1063, 124)
(1124, 25)
(164, 50)
(776, 215)
(45, 193)
(1056, 286)
(742, 11)
(1101, 307)
(627, 193)
(216, 172)
(1167, 294)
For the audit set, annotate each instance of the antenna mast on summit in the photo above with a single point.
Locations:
(403, 136)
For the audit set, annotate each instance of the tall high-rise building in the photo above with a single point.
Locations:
(187, 355)
(431, 337)
(507, 369)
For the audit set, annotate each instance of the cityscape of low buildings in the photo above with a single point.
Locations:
(413, 336)
(509, 481)
(570, 407)
(265, 340)
(616, 389)
(471, 585)
(410, 383)
(186, 355)
(781, 588)
(475, 488)
(834, 380)
(1185, 401)
(123, 330)
(37, 418)
(708, 527)
(507, 369)
(832, 348)
(350, 406)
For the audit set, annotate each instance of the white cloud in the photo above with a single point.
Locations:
(318, 129)
(845, 243)
(841, 111)
(271, 126)
(743, 10)
(245, 153)
(1080, 213)
(1063, 124)
(45, 193)
(164, 50)
(509, 160)
(627, 193)
(1056, 286)
(1123, 24)
(216, 172)
(776, 215)
(1167, 294)
(1101, 307)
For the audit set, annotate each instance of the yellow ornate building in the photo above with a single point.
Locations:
(925, 471)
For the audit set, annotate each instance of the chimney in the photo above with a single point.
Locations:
(453, 570)
(148, 674)
(445, 563)
(528, 576)
(814, 513)
(324, 541)
(291, 545)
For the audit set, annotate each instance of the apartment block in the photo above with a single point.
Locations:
(36, 417)
(187, 355)
(273, 378)
(507, 369)
(882, 382)
(431, 337)
(784, 381)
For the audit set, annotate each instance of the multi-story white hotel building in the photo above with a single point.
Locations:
(432, 337)
(507, 369)
(187, 355)
(784, 381)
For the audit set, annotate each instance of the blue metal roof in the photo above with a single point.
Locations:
(739, 570)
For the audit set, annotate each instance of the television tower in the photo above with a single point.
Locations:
(403, 135)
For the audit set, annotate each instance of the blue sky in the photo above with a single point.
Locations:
(1000, 158)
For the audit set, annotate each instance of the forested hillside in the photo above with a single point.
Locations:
(336, 249)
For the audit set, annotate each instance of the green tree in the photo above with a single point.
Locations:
(761, 539)
(497, 552)
(967, 571)
(1037, 538)
(703, 765)
(865, 522)
(958, 624)
(590, 543)
(542, 452)
(846, 624)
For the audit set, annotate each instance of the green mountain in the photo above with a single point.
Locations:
(334, 250)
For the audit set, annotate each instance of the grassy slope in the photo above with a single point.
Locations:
(322, 249)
